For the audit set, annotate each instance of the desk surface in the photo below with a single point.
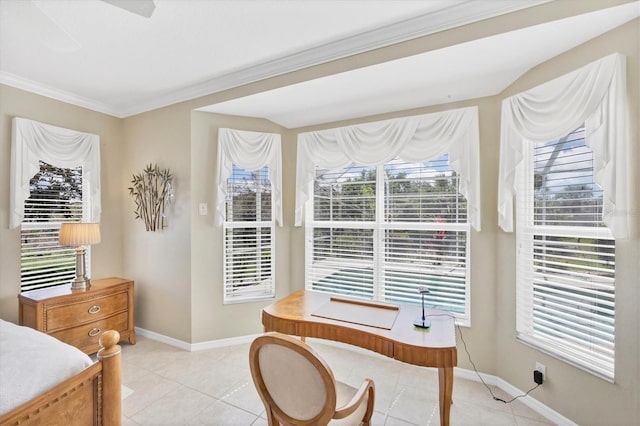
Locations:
(433, 348)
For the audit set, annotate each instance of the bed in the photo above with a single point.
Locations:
(46, 381)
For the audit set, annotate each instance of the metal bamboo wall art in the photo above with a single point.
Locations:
(152, 191)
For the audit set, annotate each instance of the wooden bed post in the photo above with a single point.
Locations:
(111, 378)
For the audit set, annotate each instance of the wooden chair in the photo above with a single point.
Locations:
(298, 388)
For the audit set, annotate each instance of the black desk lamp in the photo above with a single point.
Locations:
(422, 322)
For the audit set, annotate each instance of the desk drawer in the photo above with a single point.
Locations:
(64, 316)
(86, 336)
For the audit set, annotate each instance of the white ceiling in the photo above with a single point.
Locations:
(95, 55)
(470, 70)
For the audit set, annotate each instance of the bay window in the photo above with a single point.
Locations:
(388, 208)
(383, 232)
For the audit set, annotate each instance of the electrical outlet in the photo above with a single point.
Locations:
(541, 368)
(538, 377)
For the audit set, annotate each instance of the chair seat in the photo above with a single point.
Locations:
(344, 395)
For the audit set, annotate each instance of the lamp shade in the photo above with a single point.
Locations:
(79, 234)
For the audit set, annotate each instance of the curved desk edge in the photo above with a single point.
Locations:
(292, 315)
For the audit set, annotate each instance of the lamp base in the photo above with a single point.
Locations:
(422, 323)
(81, 284)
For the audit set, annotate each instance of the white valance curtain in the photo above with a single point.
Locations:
(32, 142)
(249, 151)
(594, 95)
(416, 138)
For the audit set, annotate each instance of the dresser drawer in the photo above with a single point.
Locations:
(86, 336)
(64, 316)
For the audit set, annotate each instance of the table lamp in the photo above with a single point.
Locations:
(79, 234)
(422, 321)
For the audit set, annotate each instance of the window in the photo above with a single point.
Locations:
(55, 178)
(382, 232)
(566, 256)
(248, 203)
(56, 196)
(248, 236)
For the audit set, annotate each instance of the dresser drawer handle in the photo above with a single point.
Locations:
(94, 309)
(94, 332)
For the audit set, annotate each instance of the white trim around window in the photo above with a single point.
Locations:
(565, 270)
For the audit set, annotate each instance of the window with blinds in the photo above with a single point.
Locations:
(56, 196)
(248, 237)
(566, 257)
(383, 232)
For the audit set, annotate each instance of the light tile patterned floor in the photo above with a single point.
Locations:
(214, 387)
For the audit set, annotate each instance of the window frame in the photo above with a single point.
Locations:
(228, 225)
(378, 227)
(53, 226)
(526, 233)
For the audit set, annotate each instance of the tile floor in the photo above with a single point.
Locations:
(214, 387)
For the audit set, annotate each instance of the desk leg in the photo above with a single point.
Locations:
(445, 376)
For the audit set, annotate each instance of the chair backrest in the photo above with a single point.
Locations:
(295, 384)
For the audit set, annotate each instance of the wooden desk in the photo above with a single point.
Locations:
(435, 348)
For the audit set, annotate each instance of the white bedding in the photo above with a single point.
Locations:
(32, 362)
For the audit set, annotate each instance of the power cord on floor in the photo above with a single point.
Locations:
(474, 366)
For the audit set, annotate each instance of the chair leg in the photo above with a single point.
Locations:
(370, 402)
(271, 420)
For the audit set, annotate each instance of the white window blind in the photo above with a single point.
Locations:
(56, 196)
(381, 232)
(566, 257)
(248, 243)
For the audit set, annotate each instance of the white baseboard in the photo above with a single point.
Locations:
(223, 342)
(461, 373)
(533, 403)
(193, 347)
(164, 339)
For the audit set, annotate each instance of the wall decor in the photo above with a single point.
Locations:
(152, 191)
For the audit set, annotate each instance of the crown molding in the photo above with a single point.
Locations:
(57, 94)
(458, 14)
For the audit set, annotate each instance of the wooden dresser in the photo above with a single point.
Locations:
(79, 317)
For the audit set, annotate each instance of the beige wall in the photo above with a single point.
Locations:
(178, 271)
(160, 262)
(211, 319)
(106, 259)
